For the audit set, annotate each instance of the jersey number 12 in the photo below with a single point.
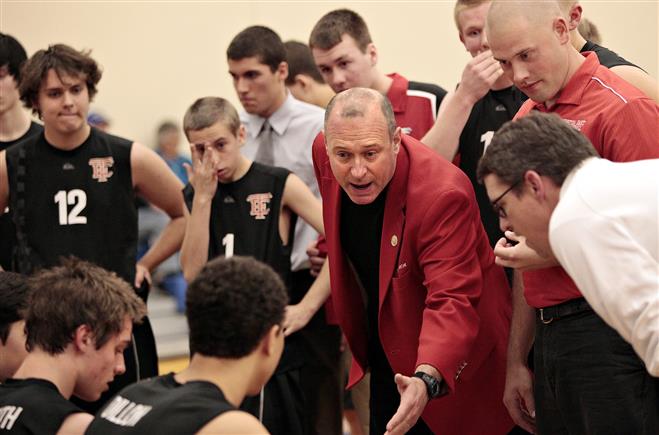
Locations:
(78, 199)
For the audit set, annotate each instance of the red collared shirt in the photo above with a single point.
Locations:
(622, 124)
(415, 104)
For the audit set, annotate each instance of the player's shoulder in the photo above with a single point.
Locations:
(233, 422)
(430, 88)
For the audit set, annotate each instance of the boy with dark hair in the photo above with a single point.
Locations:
(75, 347)
(13, 300)
(71, 189)
(304, 80)
(246, 208)
(347, 57)
(15, 125)
(235, 309)
(279, 132)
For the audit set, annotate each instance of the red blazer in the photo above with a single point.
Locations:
(442, 301)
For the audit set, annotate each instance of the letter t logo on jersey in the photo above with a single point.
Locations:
(259, 202)
(101, 168)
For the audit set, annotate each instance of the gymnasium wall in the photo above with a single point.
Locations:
(159, 56)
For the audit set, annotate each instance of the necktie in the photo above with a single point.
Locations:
(265, 153)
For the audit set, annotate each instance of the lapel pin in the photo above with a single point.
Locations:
(394, 240)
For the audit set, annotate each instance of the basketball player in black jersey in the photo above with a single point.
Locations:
(15, 125)
(13, 301)
(235, 308)
(246, 208)
(71, 189)
(75, 347)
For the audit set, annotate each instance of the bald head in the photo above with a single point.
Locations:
(536, 12)
(358, 103)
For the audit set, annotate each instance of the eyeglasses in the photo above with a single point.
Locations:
(497, 208)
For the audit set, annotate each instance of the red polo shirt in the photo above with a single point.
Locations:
(622, 124)
(415, 104)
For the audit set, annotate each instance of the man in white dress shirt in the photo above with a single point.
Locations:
(598, 218)
(280, 132)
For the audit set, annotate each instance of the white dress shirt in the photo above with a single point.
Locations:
(605, 233)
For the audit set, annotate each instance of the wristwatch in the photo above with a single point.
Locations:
(434, 387)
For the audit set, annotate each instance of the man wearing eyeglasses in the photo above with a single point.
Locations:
(599, 219)
(531, 42)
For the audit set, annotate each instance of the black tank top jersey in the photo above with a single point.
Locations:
(32, 406)
(78, 202)
(606, 57)
(487, 116)
(7, 229)
(160, 406)
(33, 130)
(249, 209)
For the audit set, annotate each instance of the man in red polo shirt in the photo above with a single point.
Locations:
(576, 360)
(347, 58)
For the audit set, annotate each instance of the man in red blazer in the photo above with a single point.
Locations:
(413, 278)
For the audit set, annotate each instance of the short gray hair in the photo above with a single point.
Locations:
(356, 102)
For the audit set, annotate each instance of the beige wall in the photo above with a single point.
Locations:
(159, 56)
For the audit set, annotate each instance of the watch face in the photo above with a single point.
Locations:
(434, 388)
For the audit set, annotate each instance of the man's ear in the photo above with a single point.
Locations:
(35, 106)
(395, 141)
(83, 339)
(303, 81)
(536, 185)
(270, 339)
(282, 70)
(242, 134)
(561, 29)
(372, 53)
(574, 16)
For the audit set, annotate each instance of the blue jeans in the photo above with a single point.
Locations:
(588, 380)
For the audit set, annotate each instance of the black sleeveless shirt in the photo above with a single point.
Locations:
(7, 229)
(78, 202)
(486, 117)
(32, 407)
(161, 406)
(249, 209)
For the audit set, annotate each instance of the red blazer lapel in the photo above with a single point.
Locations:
(394, 222)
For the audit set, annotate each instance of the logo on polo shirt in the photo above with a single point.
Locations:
(578, 124)
(259, 202)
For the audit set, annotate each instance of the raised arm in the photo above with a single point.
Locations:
(477, 77)
(203, 178)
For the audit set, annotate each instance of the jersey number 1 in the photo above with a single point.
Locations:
(78, 199)
(227, 242)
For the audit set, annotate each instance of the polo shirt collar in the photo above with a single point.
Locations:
(573, 92)
(397, 93)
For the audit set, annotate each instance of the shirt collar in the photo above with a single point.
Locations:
(573, 91)
(279, 120)
(397, 93)
(570, 177)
